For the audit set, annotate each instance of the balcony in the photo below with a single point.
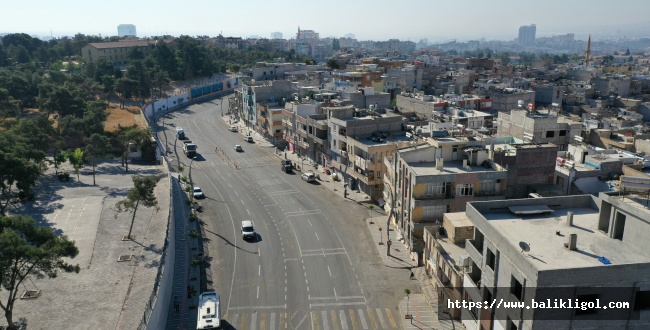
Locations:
(277, 123)
(319, 140)
(476, 253)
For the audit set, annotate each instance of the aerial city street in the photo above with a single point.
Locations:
(427, 167)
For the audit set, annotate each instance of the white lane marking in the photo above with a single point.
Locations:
(344, 320)
(328, 269)
(381, 318)
(362, 318)
(325, 321)
(309, 221)
(249, 212)
(258, 292)
(229, 185)
(236, 193)
(317, 236)
(259, 270)
(242, 201)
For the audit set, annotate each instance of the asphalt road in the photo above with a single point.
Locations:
(312, 265)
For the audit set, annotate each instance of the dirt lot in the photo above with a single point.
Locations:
(125, 117)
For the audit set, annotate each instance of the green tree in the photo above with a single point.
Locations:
(126, 88)
(29, 251)
(97, 145)
(9, 107)
(332, 64)
(76, 158)
(131, 135)
(142, 193)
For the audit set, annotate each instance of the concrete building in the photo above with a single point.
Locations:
(606, 85)
(538, 127)
(527, 35)
(359, 141)
(438, 177)
(116, 52)
(551, 248)
(126, 30)
(506, 99)
(548, 94)
(262, 92)
(276, 35)
(530, 166)
(444, 246)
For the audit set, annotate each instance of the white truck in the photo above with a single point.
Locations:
(189, 149)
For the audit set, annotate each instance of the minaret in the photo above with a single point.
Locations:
(588, 51)
(298, 37)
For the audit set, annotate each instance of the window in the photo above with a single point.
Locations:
(587, 299)
(550, 134)
(490, 259)
(430, 212)
(488, 186)
(436, 188)
(515, 288)
(466, 189)
(562, 132)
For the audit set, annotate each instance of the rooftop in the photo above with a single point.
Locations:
(453, 167)
(547, 249)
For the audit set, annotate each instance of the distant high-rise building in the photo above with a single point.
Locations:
(527, 35)
(126, 30)
(350, 36)
(276, 35)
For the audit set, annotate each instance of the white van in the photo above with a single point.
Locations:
(247, 230)
(209, 316)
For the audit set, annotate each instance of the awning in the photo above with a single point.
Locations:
(530, 209)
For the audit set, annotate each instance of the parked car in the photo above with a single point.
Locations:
(248, 139)
(198, 193)
(238, 148)
(247, 230)
(233, 128)
(308, 176)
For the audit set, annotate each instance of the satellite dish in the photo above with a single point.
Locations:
(524, 247)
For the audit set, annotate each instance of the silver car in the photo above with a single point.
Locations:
(198, 193)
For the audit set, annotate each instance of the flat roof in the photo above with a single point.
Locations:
(459, 219)
(547, 249)
(453, 167)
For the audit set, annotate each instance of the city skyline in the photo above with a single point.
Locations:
(470, 20)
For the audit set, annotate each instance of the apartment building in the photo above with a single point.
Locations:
(550, 248)
(359, 141)
(438, 177)
(538, 127)
(253, 93)
(506, 99)
(444, 248)
(531, 168)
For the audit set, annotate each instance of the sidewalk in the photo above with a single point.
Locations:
(422, 306)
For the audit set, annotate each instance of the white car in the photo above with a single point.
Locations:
(247, 230)
(238, 148)
(198, 193)
(308, 176)
(248, 139)
(233, 128)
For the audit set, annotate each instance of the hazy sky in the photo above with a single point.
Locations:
(367, 20)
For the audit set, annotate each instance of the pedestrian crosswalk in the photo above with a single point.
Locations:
(333, 319)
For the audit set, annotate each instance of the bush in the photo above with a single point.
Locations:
(64, 177)
(194, 233)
